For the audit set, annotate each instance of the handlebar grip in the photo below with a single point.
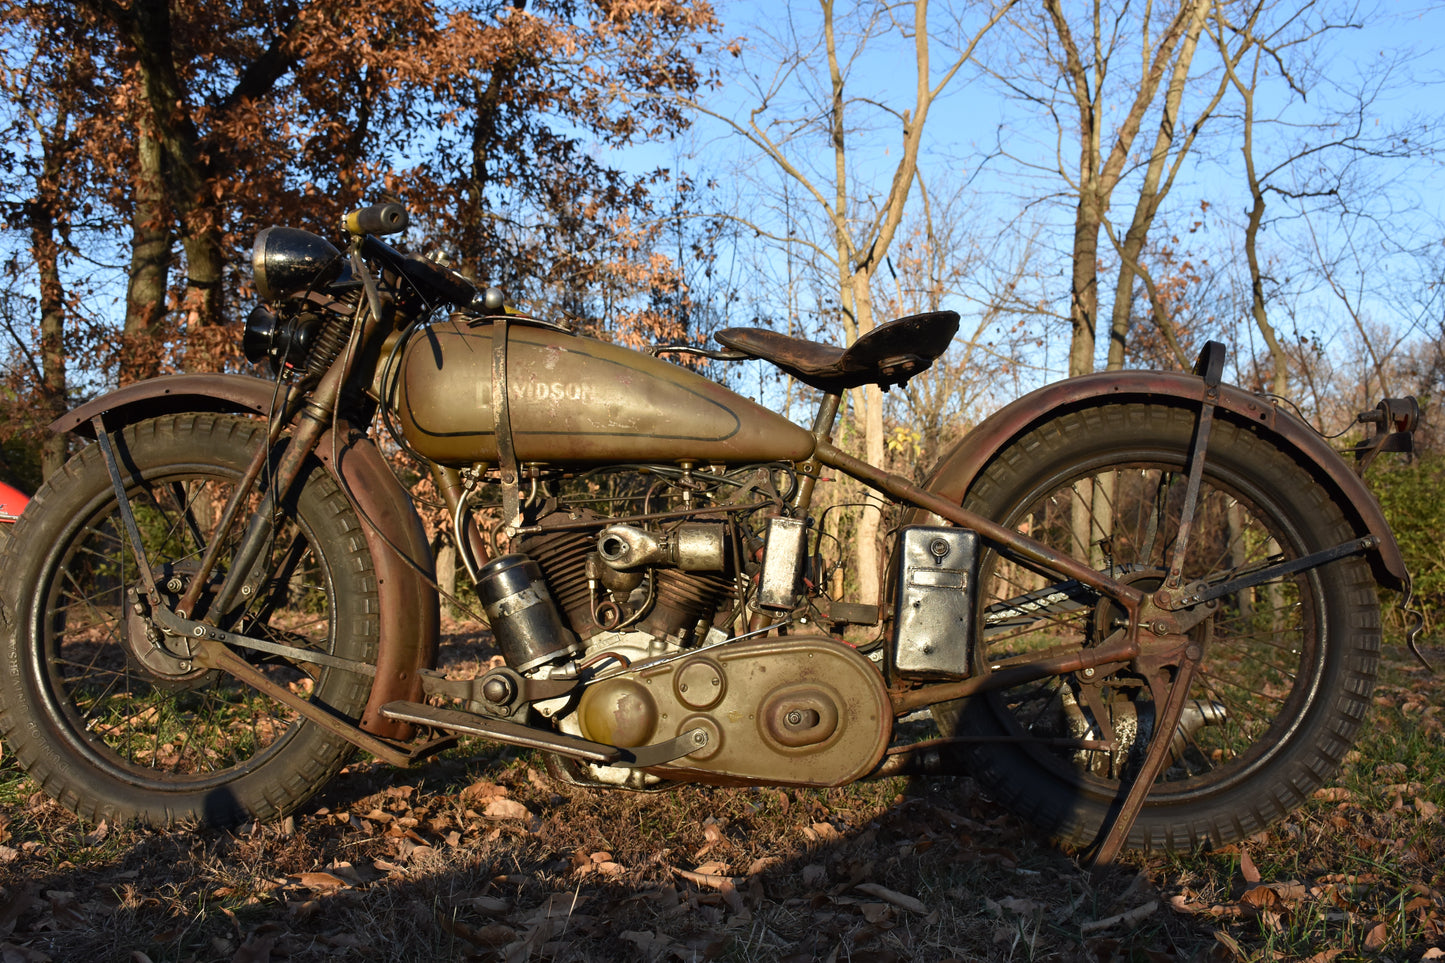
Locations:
(376, 219)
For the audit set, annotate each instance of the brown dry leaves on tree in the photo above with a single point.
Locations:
(159, 136)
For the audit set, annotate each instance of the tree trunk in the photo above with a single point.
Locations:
(870, 521)
(145, 299)
(53, 387)
(1099, 173)
(1279, 369)
(1279, 374)
(1154, 189)
(1084, 287)
(189, 173)
(203, 307)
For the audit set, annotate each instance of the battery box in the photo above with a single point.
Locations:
(936, 593)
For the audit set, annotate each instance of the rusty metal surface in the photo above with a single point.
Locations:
(1169, 696)
(501, 730)
(957, 469)
(410, 613)
(410, 617)
(1117, 648)
(576, 401)
(170, 394)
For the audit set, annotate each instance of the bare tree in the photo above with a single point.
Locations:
(1086, 72)
(1330, 162)
(933, 266)
(861, 225)
(49, 86)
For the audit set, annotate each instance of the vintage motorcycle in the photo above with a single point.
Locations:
(1141, 606)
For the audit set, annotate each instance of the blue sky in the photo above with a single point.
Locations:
(975, 119)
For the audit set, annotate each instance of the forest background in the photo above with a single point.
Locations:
(1090, 185)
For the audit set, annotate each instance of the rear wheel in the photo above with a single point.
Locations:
(108, 714)
(1288, 666)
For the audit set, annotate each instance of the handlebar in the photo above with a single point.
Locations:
(428, 276)
(376, 219)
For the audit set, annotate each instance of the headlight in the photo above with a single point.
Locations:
(287, 260)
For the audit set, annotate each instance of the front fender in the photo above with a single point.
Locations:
(954, 474)
(410, 616)
(168, 395)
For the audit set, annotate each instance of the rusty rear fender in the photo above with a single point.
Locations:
(409, 613)
(955, 472)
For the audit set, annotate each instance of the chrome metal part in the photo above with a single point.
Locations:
(691, 546)
(936, 592)
(525, 620)
(700, 546)
(783, 557)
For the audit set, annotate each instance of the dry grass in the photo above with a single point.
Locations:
(481, 857)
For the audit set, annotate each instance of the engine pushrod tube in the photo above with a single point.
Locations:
(1016, 542)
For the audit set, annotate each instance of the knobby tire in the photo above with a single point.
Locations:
(108, 723)
(1288, 668)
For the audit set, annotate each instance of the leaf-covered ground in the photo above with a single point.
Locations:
(483, 857)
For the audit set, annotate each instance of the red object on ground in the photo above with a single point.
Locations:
(12, 503)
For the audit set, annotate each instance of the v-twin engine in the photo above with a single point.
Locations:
(582, 588)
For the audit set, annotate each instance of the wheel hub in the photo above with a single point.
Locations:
(1109, 615)
(168, 659)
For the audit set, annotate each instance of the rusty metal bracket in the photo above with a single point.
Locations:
(433, 683)
(502, 424)
(1210, 367)
(188, 628)
(132, 530)
(1394, 421)
(1206, 592)
(1169, 697)
(1416, 621)
(213, 654)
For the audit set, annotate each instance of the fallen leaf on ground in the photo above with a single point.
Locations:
(506, 809)
(321, 882)
(1324, 956)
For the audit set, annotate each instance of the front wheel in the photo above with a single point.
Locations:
(1288, 666)
(108, 715)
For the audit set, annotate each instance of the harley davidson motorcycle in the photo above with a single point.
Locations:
(1140, 606)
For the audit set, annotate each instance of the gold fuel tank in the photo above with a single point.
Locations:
(574, 400)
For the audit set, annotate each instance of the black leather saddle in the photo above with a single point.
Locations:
(888, 355)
